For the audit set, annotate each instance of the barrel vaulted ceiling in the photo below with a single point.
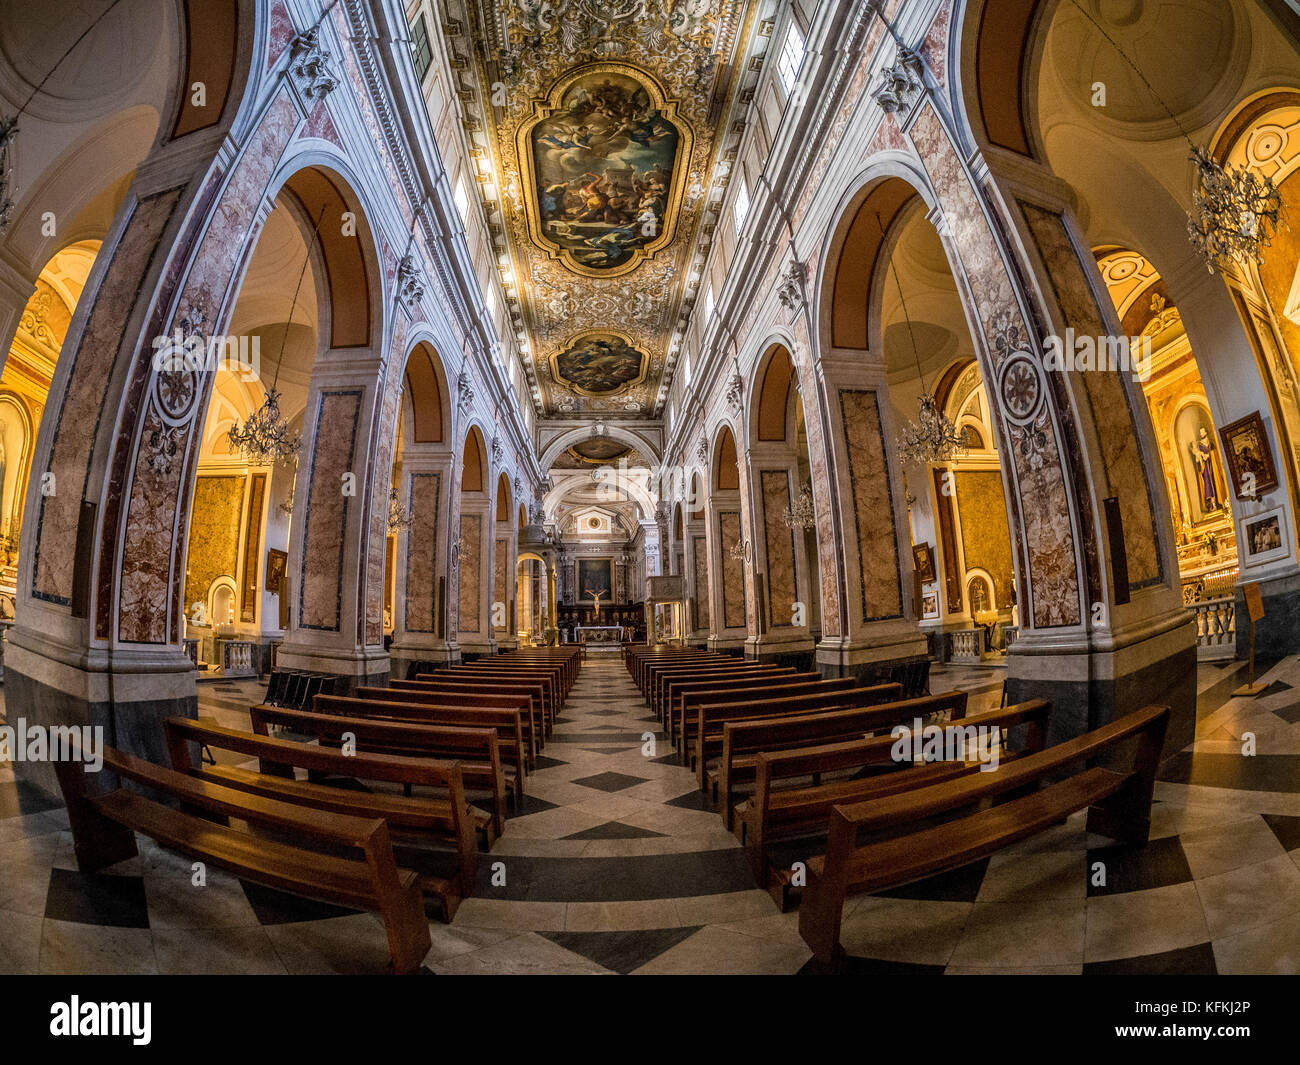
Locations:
(604, 131)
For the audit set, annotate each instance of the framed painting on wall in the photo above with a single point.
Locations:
(277, 564)
(1250, 460)
(1263, 536)
(930, 605)
(923, 557)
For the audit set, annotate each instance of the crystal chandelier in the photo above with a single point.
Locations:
(1235, 212)
(802, 514)
(398, 518)
(932, 437)
(265, 437)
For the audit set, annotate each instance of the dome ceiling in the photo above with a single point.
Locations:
(606, 124)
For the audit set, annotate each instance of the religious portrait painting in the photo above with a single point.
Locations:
(923, 558)
(930, 605)
(276, 566)
(599, 364)
(1249, 458)
(1199, 451)
(1264, 537)
(604, 161)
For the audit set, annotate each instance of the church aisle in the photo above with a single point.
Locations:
(615, 866)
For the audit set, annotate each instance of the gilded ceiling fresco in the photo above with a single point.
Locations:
(599, 364)
(604, 130)
(604, 164)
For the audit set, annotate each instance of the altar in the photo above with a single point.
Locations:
(600, 637)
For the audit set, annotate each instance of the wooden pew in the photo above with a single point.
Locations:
(1118, 801)
(104, 828)
(569, 658)
(513, 735)
(783, 813)
(660, 678)
(671, 683)
(483, 767)
(561, 669)
(701, 735)
(532, 690)
(651, 671)
(424, 819)
(640, 665)
(419, 692)
(860, 712)
(689, 697)
(469, 675)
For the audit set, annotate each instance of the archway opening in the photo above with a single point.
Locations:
(24, 395)
(304, 292)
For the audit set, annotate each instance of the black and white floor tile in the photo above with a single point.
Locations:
(615, 864)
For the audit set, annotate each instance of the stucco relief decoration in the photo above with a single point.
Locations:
(900, 83)
(736, 393)
(310, 66)
(176, 362)
(464, 390)
(498, 450)
(1020, 382)
(790, 288)
(410, 281)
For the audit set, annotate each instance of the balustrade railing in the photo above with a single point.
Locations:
(1216, 628)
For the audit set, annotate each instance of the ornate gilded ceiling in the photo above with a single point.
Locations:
(603, 134)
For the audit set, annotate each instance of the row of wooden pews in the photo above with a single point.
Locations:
(810, 776)
(439, 762)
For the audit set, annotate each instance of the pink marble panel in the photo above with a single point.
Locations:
(701, 583)
(143, 610)
(383, 440)
(422, 552)
(500, 593)
(471, 538)
(733, 571)
(880, 586)
(229, 234)
(320, 587)
(778, 542)
(1110, 399)
(1041, 491)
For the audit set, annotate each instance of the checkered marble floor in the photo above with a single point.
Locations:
(615, 865)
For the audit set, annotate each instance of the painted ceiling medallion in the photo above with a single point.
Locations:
(599, 364)
(599, 451)
(603, 158)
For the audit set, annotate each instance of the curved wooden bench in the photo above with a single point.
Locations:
(478, 749)
(1118, 801)
(778, 811)
(450, 821)
(104, 828)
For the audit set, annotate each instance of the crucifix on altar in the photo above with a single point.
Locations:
(595, 598)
